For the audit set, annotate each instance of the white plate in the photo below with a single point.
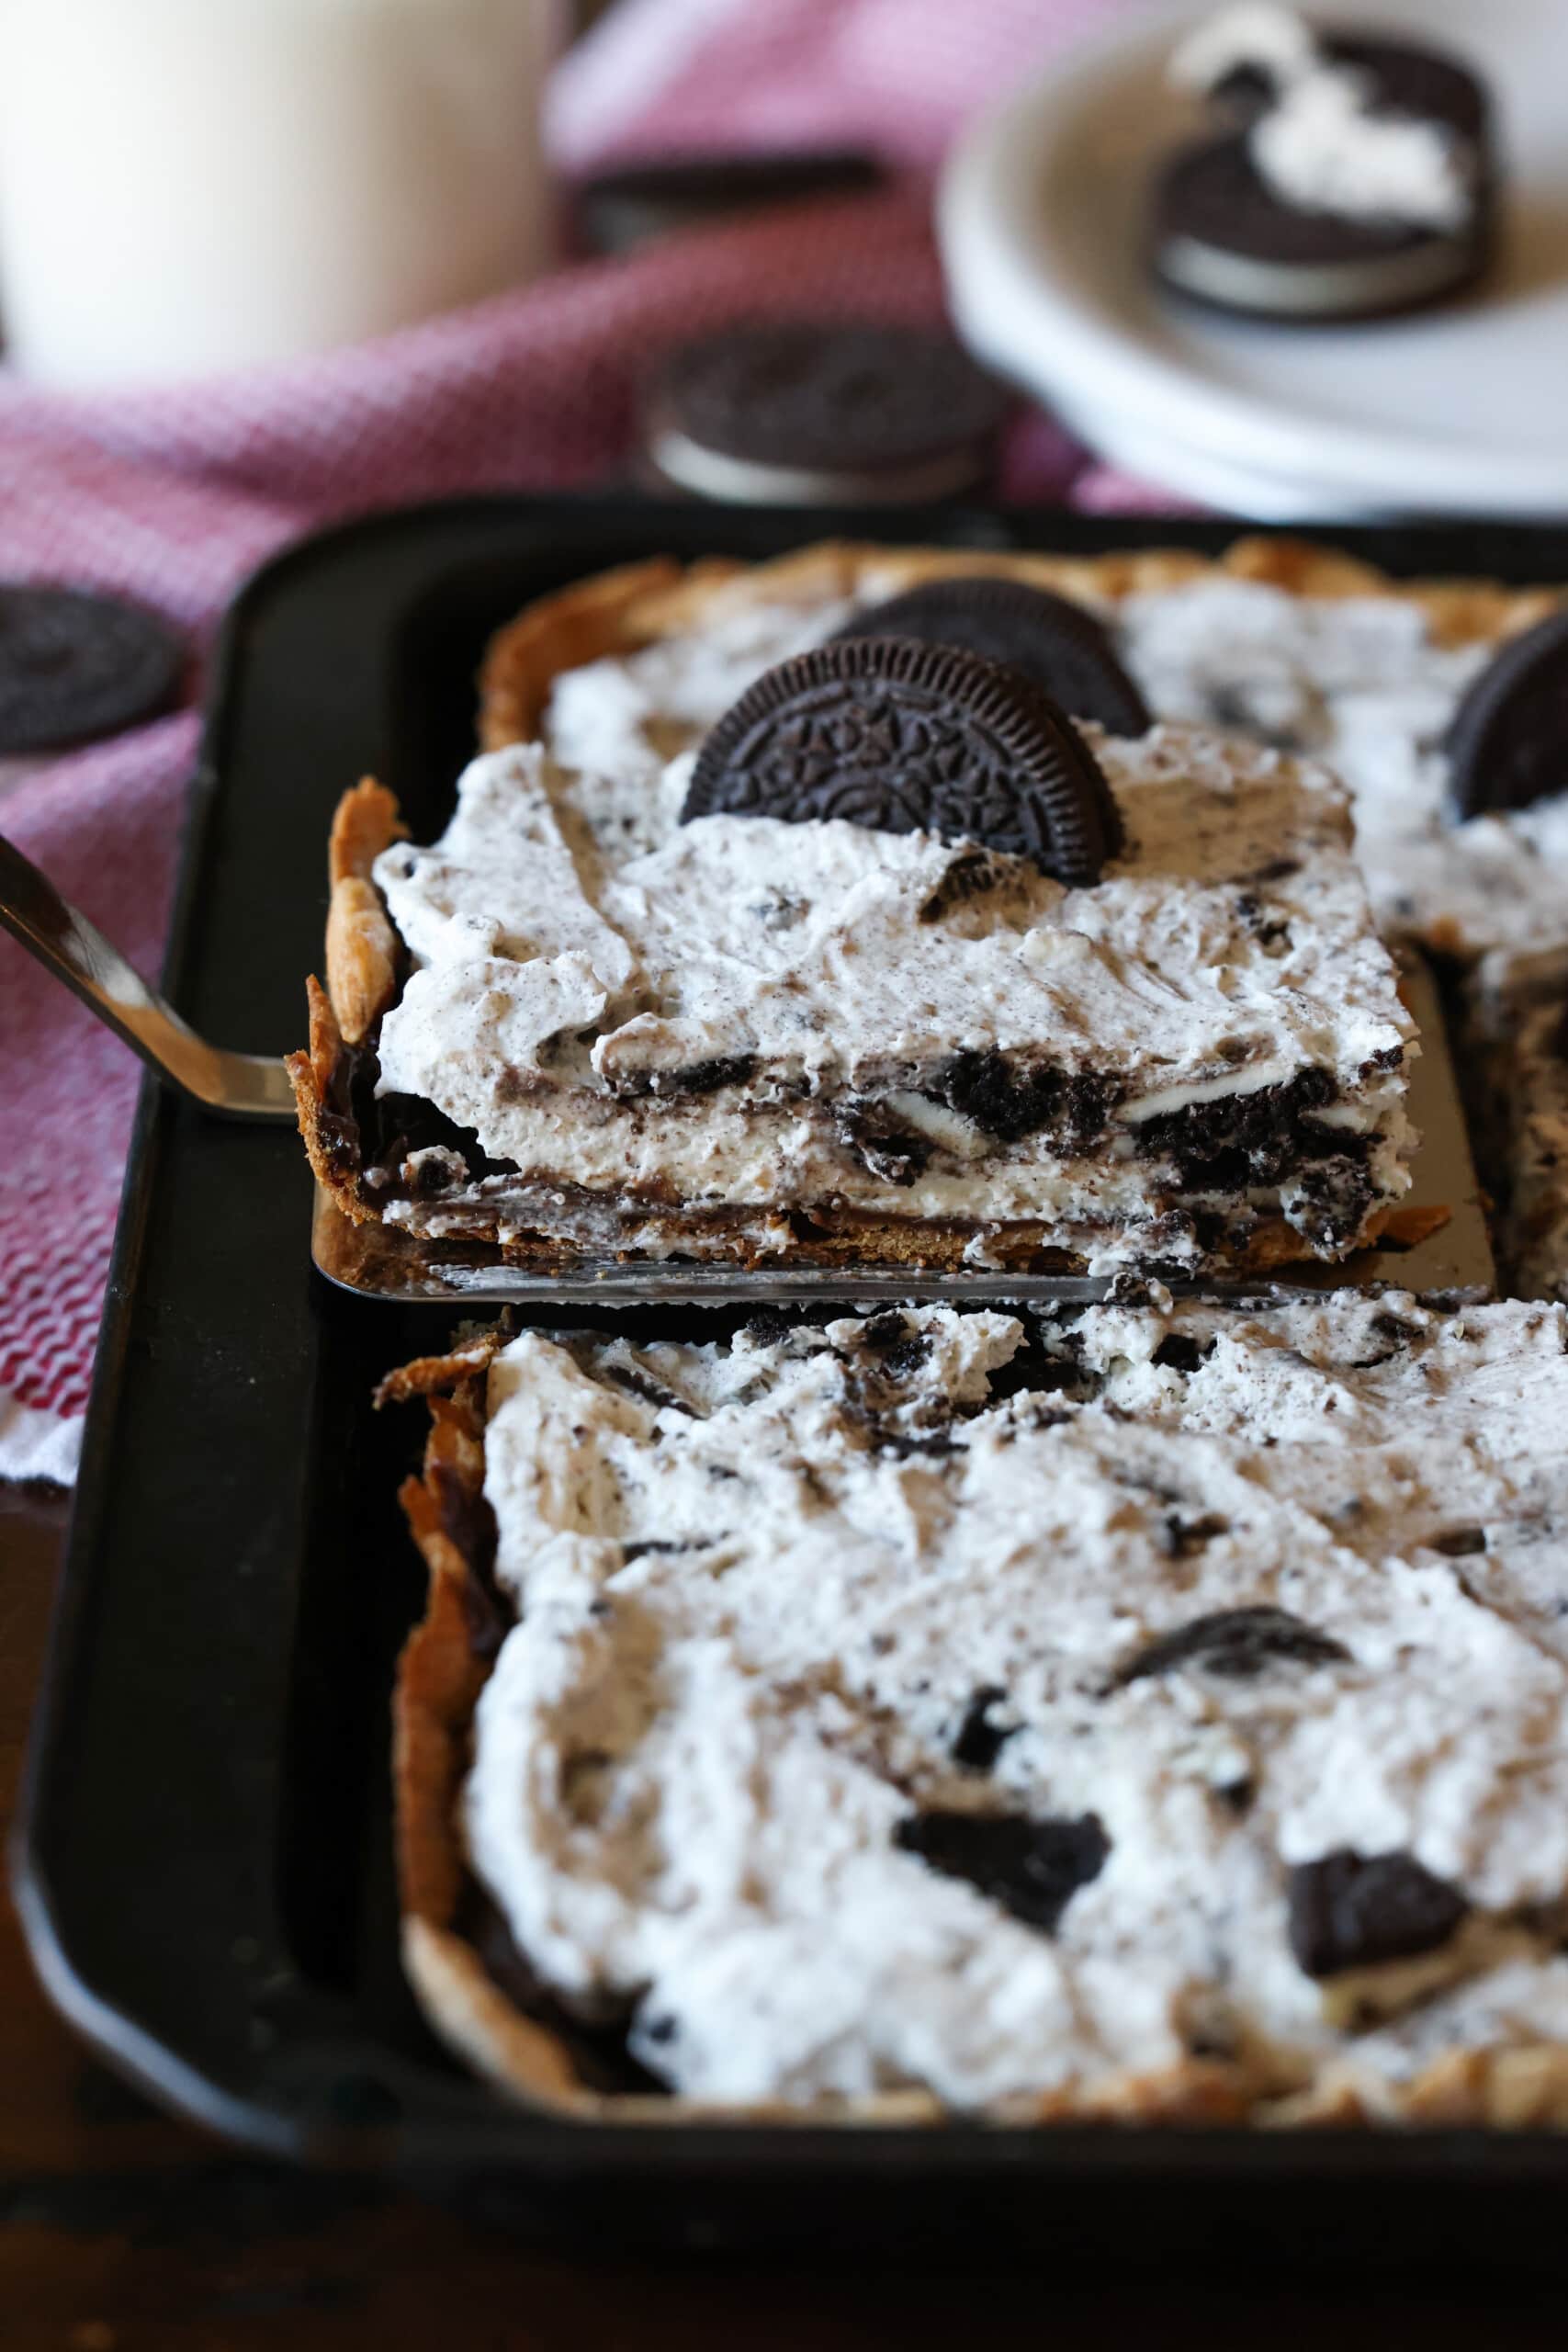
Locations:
(1459, 411)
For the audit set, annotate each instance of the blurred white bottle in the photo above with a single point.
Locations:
(194, 184)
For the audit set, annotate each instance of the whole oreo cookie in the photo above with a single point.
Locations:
(906, 738)
(809, 414)
(1058, 644)
(74, 667)
(621, 209)
(1507, 744)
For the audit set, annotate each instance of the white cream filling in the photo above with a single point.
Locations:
(750, 1638)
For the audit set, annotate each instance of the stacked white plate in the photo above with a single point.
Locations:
(1458, 411)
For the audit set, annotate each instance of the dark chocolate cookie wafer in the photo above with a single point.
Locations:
(1060, 645)
(1507, 744)
(75, 666)
(810, 413)
(906, 738)
(621, 209)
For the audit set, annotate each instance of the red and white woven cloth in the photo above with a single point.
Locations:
(173, 496)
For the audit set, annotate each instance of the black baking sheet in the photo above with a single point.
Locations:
(204, 1861)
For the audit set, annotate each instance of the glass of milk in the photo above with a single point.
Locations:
(194, 184)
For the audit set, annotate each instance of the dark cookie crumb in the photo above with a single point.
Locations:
(980, 1741)
(1351, 1910)
(1180, 1538)
(1010, 1102)
(1031, 1867)
(894, 1155)
(704, 1078)
(1238, 1644)
(637, 1383)
(1180, 1352)
(935, 1443)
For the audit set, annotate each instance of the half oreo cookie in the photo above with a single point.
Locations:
(74, 667)
(903, 737)
(803, 414)
(1059, 645)
(1507, 743)
(1224, 236)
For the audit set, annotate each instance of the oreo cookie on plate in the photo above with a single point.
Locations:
(805, 413)
(1351, 175)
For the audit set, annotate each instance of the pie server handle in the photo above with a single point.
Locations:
(237, 1086)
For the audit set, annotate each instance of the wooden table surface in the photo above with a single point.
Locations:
(122, 2231)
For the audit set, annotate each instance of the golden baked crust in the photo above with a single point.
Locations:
(440, 1676)
(617, 611)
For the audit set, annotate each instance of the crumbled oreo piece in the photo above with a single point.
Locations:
(1459, 1542)
(908, 738)
(635, 202)
(892, 1153)
(1351, 1910)
(980, 1741)
(889, 1329)
(74, 667)
(1031, 1867)
(1181, 1538)
(1507, 743)
(1061, 646)
(1008, 1102)
(1180, 1352)
(704, 1078)
(1238, 1644)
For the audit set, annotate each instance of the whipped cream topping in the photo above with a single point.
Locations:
(582, 954)
(1359, 682)
(1323, 144)
(1322, 148)
(771, 1590)
(1274, 40)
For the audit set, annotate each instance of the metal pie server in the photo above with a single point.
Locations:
(236, 1086)
(379, 1261)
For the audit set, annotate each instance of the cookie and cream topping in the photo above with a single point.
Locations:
(923, 1701)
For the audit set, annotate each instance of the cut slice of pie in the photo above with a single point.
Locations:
(588, 1023)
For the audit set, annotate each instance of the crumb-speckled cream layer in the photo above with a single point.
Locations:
(746, 1016)
(1359, 682)
(793, 1608)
